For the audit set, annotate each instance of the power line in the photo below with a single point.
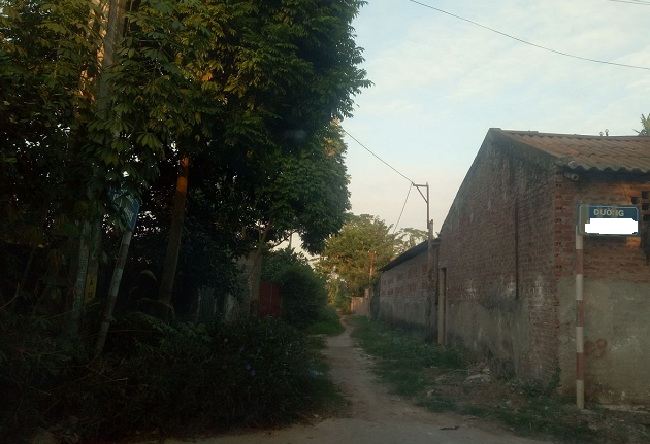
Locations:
(380, 159)
(402, 210)
(637, 2)
(587, 59)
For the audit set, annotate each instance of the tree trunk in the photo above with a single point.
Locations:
(175, 233)
(74, 322)
(114, 27)
(113, 291)
(114, 10)
(255, 278)
(254, 262)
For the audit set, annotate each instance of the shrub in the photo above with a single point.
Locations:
(304, 295)
(328, 323)
(183, 379)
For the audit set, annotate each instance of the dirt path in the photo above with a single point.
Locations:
(376, 417)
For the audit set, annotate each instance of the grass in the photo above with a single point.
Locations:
(324, 395)
(417, 370)
(406, 361)
(326, 398)
(544, 416)
(327, 324)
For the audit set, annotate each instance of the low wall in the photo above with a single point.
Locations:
(361, 306)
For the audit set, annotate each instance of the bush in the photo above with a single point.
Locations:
(304, 295)
(183, 380)
(328, 323)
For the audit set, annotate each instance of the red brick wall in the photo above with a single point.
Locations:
(605, 257)
(616, 293)
(508, 251)
(497, 248)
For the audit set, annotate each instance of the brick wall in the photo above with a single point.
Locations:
(403, 293)
(497, 252)
(605, 257)
(508, 255)
(616, 293)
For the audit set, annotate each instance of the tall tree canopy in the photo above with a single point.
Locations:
(247, 90)
(351, 257)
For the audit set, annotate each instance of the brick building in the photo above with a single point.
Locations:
(407, 295)
(507, 262)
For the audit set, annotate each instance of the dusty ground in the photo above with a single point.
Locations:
(375, 417)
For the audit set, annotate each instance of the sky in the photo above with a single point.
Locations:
(440, 83)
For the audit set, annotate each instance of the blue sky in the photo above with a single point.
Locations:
(441, 83)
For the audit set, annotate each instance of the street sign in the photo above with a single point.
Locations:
(608, 220)
(127, 204)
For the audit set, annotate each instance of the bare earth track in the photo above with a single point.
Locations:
(375, 417)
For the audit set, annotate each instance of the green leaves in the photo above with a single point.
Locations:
(364, 241)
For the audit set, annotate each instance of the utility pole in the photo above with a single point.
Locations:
(430, 262)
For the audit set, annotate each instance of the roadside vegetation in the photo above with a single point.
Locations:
(179, 379)
(442, 379)
(153, 151)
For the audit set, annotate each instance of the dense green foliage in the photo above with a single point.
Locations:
(304, 297)
(251, 92)
(328, 323)
(351, 258)
(354, 255)
(248, 90)
(181, 379)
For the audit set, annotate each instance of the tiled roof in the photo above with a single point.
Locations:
(629, 154)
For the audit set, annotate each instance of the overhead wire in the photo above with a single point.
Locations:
(633, 2)
(379, 158)
(402, 210)
(411, 183)
(526, 42)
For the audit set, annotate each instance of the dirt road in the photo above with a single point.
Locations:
(376, 417)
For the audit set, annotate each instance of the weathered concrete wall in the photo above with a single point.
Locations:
(497, 253)
(403, 294)
(617, 346)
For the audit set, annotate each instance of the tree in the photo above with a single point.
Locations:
(261, 78)
(48, 71)
(303, 292)
(305, 194)
(354, 255)
(410, 237)
(645, 122)
(250, 86)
